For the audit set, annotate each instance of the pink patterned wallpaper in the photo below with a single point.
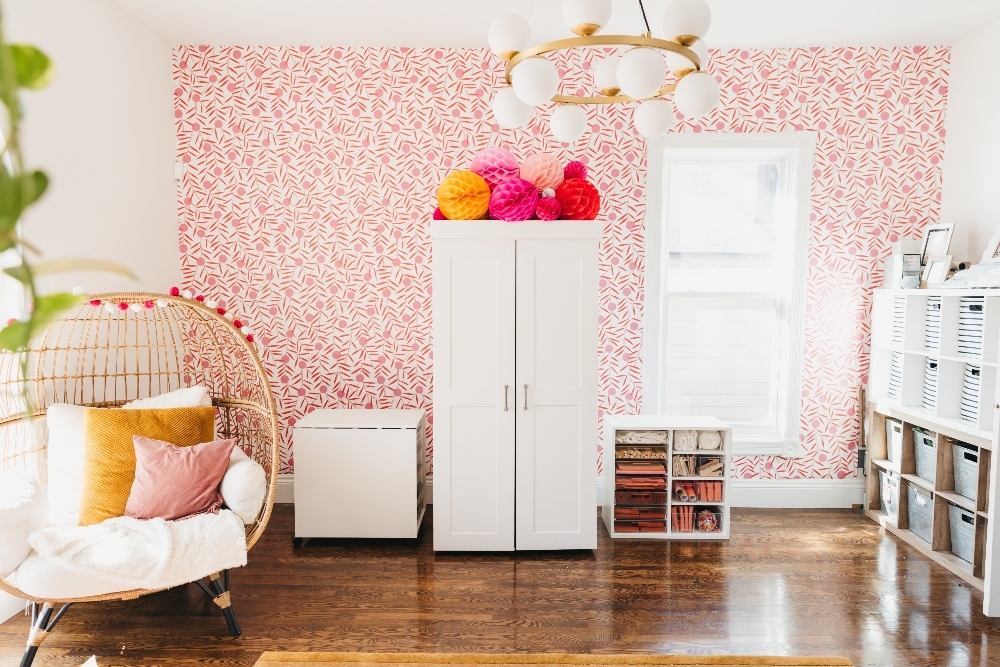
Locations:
(312, 174)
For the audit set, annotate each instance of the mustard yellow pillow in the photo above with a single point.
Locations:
(109, 453)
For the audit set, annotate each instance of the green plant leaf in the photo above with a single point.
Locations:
(14, 336)
(17, 194)
(63, 265)
(34, 68)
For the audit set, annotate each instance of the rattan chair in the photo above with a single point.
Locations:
(101, 358)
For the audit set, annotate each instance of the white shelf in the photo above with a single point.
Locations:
(612, 424)
(953, 428)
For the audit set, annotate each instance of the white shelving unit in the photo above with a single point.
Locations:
(669, 426)
(933, 368)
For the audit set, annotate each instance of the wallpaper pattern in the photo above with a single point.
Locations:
(311, 176)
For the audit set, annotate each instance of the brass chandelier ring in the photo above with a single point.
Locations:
(606, 40)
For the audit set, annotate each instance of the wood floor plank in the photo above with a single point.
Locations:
(806, 582)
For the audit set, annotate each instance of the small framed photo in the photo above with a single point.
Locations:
(992, 253)
(936, 270)
(937, 241)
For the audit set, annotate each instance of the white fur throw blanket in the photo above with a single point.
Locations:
(150, 554)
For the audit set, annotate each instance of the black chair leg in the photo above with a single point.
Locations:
(42, 623)
(219, 592)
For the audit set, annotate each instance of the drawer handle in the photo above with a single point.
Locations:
(505, 387)
(525, 397)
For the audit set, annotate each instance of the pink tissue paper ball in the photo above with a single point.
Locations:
(438, 215)
(495, 164)
(513, 200)
(575, 169)
(548, 208)
(543, 170)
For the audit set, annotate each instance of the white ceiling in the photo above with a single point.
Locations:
(463, 23)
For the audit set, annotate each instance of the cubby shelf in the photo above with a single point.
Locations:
(615, 424)
(936, 395)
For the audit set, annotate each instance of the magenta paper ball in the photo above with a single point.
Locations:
(513, 200)
(548, 208)
(495, 164)
(575, 169)
(542, 169)
(438, 215)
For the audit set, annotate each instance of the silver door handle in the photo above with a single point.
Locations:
(525, 397)
(505, 408)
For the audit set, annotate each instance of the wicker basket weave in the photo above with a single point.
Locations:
(98, 358)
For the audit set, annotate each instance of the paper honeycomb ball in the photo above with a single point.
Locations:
(438, 215)
(495, 164)
(579, 200)
(575, 169)
(548, 208)
(513, 200)
(463, 195)
(542, 169)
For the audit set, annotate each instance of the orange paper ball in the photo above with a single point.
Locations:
(463, 195)
(579, 200)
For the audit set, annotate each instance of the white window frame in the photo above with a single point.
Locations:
(795, 150)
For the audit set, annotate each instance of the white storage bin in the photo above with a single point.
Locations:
(920, 510)
(898, 319)
(962, 523)
(925, 453)
(931, 374)
(889, 483)
(970, 325)
(971, 391)
(894, 440)
(896, 375)
(932, 323)
(966, 461)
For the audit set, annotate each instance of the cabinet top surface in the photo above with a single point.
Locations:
(332, 418)
(942, 291)
(664, 422)
(530, 229)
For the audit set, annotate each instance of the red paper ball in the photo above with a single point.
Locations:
(579, 200)
(249, 338)
(575, 169)
(122, 306)
(199, 298)
(548, 208)
(238, 324)
(220, 311)
(95, 302)
(438, 215)
(149, 304)
(175, 291)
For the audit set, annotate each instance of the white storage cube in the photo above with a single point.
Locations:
(930, 395)
(932, 324)
(970, 326)
(971, 393)
(898, 320)
(896, 375)
(360, 473)
(894, 440)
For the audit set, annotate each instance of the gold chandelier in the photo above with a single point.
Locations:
(636, 76)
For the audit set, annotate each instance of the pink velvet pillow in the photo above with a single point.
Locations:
(172, 482)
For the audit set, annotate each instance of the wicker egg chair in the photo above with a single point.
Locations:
(98, 358)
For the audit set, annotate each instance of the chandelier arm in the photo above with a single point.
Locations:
(614, 99)
(601, 40)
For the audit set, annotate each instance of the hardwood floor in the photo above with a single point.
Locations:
(788, 582)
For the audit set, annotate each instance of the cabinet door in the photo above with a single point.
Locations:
(556, 394)
(473, 426)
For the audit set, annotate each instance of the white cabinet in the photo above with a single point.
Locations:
(515, 385)
(359, 473)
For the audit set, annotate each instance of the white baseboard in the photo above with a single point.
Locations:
(787, 493)
(803, 493)
(9, 606)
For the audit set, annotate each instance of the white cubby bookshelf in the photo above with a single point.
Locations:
(933, 370)
(613, 425)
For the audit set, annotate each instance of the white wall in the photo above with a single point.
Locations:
(971, 192)
(104, 132)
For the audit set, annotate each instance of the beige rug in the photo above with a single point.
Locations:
(275, 659)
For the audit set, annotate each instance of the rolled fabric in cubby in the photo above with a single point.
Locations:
(709, 440)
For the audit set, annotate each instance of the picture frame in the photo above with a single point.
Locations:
(992, 253)
(937, 241)
(936, 270)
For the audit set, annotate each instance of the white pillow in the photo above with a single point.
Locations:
(23, 510)
(189, 397)
(243, 486)
(65, 455)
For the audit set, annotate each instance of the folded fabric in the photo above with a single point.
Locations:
(709, 440)
(685, 441)
(150, 554)
(641, 467)
(244, 486)
(186, 397)
(640, 483)
(173, 482)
